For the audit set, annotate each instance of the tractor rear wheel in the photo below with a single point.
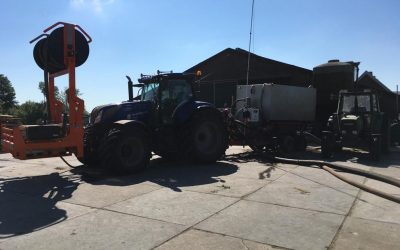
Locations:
(125, 151)
(205, 138)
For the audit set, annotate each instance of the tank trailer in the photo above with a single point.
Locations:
(270, 116)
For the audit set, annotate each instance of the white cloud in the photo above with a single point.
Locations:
(95, 5)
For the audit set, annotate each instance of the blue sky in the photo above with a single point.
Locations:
(141, 36)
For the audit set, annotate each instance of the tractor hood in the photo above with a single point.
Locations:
(131, 110)
(351, 124)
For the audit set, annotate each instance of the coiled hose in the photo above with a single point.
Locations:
(329, 167)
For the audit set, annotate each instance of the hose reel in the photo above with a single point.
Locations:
(49, 51)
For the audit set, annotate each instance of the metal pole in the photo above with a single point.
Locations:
(397, 101)
(251, 29)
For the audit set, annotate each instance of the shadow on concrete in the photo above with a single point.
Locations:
(29, 203)
(173, 175)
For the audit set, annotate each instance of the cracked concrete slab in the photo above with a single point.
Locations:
(230, 186)
(258, 171)
(23, 214)
(372, 207)
(103, 195)
(39, 206)
(294, 191)
(275, 225)
(196, 239)
(368, 235)
(98, 230)
(186, 208)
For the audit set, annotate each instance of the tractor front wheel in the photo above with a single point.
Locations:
(125, 150)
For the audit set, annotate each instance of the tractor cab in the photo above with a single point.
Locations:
(169, 92)
(358, 113)
(358, 123)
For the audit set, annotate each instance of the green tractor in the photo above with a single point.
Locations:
(358, 123)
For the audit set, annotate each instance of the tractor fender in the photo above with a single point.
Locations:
(126, 124)
(184, 111)
(209, 109)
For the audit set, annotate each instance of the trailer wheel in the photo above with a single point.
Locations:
(205, 138)
(300, 143)
(125, 151)
(288, 144)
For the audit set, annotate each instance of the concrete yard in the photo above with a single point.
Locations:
(241, 202)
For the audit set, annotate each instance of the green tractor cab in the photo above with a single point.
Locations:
(358, 123)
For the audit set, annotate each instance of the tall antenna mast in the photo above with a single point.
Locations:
(397, 102)
(251, 29)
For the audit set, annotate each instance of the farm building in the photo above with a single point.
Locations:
(224, 71)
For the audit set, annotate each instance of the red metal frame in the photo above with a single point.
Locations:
(12, 138)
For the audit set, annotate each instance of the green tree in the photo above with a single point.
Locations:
(31, 112)
(64, 97)
(7, 95)
(56, 91)
(60, 96)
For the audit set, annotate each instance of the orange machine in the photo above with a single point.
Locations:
(57, 53)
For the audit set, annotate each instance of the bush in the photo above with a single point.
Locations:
(31, 112)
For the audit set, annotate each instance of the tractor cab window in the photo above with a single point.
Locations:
(180, 90)
(175, 92)
(364, 103)
(348, 104)
(149, 92)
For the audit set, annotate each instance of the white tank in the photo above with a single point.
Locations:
(278, 102)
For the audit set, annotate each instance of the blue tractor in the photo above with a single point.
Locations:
(164, 118)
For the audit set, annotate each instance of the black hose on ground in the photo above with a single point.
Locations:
(328, 166)
(362, 186)
(66, 162)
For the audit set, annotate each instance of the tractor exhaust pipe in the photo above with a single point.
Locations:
(130, 89)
